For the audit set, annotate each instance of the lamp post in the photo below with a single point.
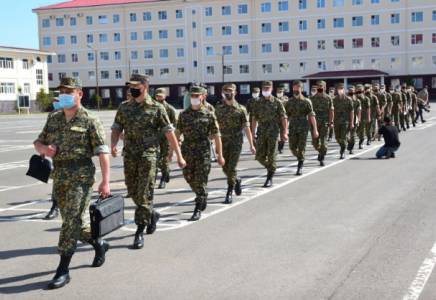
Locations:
(222, 63)
(96, 77)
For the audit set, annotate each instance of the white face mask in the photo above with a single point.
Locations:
(255, 95)
(391, 91)
(340, 92)
(279, 95)
(382, 90)
(195, 101)
(408, 90)
(397, 90)
(266, 93)
(313, 93)
(332, 94)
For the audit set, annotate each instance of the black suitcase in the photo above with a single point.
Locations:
(107, 215)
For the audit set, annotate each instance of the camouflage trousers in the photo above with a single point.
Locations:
(382, 116)
(396, 117)
(196, 172)
(361, 130)
(232, 147)
(331, 132)
(412, 114)
(266, 151)
(321, 143)
(373, 123)
(298, 139)
(402, 119)
(140, 177)
(164, 164)
(353, 135)
(73, 201)
(342, 129)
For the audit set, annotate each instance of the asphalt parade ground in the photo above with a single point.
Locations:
(358, 228)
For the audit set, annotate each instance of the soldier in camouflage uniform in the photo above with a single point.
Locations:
(232, 119)
(406, 97)
(142, 119)
(322, 105)
(357, 117)
(413, 104)
(282, 98)
(196, 124)
(71, 137)
(255, 92)
(382, 102)
(160, 95)
(404, 115)
(299, 111)
(365, 119)
(332, 95)
(397, 106)
(266, 112)
(375, 113)
(344, 118)
(388, 108)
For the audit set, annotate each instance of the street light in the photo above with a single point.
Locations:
(96, 77)
(222, 62)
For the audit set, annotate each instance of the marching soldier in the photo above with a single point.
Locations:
(281, 96)
(344, 118)
(413, 104)
(160, 95)
(71, 136)
(397, 106)
(299, 111)
(196, 124)
(365, 104)
(266, 112)
(232, 119)
(142, 119)
(404, 119)
(255, 92)
(375, 113)
(422, 102)
(324, 114)
(357, 117)
(332, 95)
(388, 96)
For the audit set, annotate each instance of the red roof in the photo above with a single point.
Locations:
(88, 3)
(347, 73)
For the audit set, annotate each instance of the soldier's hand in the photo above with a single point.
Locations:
(182, 163)
(284, 137)
(104, 189)
(51, 150)
(351, 126)
(331, 126)
(211, 137)
(253, 150)
(122, 136)
(315, 134)
(368, 120)
(114, 151)
(221, 160)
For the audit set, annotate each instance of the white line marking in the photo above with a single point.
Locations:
(422, 276)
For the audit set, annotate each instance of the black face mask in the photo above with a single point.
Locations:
(350, 93)
(320, 90)
(296, 93)
(135, 92)
(367, 93)
(228, 96)
(359, 92)
(375, 91)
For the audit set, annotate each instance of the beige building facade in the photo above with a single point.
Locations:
(246, 42)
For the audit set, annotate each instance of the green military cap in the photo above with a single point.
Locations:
(196, 90)
(56, 95)
(128, 92)
(320, 82)
(351, 87)
(138, 78)
(297, 82)
(376, 85)
(391, 87)
(359, 86)
(71, 83)
(382, 85)
(280, 88)
(255, 89)
(368, 86)
(340, 85)
(314, 87)
(267, 84)
(331, 89)
(160, 92)
(229, 86)
(403, 84)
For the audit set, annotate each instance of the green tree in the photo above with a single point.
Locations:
(409, 81)
(110, 106)
(94, 99)
(43, 99)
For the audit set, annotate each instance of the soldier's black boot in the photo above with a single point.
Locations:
(138, 243)
(62, 276)
(413, 123)
(54, 211)
(197, 211)
(321, 160)
(162, 184)
(360, 144)
(229, 195)
(100, 247)
(348, 146)
(300, 168)
(372, 135)
(238, 186)
(351, 147)
(342, 153)
(368, 142)
(269, 179)
(407, 125)
(399, 130)
(151, 228)
(203, 208)
(403, 127)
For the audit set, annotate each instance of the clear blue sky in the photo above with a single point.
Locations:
(18, 24)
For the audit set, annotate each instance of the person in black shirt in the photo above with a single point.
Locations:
(390, 135)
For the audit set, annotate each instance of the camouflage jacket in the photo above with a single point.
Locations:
(396, 101)
(381, 99)
(374, 103)
(250, 106)
(172, 114)
(231, 119)
(322, 105)
(145, 120)
(388, 98)
(365, 103)
(197, 124)
(267, 112)
(343, 108)
(209, 106)
(80, 138)
(413, 99)
(357, 106)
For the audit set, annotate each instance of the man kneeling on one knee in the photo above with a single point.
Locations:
(390, 135)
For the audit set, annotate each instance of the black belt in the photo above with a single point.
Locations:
(297, 118)
(140, 141)
(69, 163)
(230, 131)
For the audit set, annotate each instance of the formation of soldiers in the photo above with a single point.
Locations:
(152, 133)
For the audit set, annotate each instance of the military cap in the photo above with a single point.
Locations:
(160, 92)
(314, 87)
(382, 85)
(280, 88)
(367, 86)
(229, 86)
(297, 82)
(340, 85)
(351, 87)
(376, 85)
(56, 95)
(359, 86)
(71, 83)
(196, 90)
(267, 84)
(138, 78)
(331, 89)
(255, 89)
(404, 84)
(320, 82)
(391, 87)
(128, 92)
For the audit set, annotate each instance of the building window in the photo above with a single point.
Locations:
(119, 93)
(25, 64)
(417, 17)
(116, 18)
(303, 67)
(148, 35)
(39, 79)
(118, 74)
(117, 37)
(416, 39)
(433, 62)
(417, 82)
(194, 44)
(265, 7)
(243, 29)
(375, 1)
(226, 10)
(210, 51)
(75, 74)
(181, 72)
(227, 50)
(49, 59)
(357, 21)
(132, 17)
(228, 70)
(61, 58)
(267, 68)
(322, 66)
(73, 39)
(338, 3)
(417, 62)
(133, 36)
(163, 53)
(102, 19)
(179, 33)
(74, 58)
(134, 55)
(88, 20)
(242, 9)
(433, 38)
(321, 24)
(320, 4)
(266, 48)
(194, 25)
(117, 55)
(103, 38)
(357, 2)
(321, 45)
(73, 21)
(358, 43)
(7, 88)
(209, 31)
(91, 75)
(226, 30)
(302, 4)
(266, 27)
(283, 47)
(62, 75)
(283, 26)
(26, 88)
(375, 20)
(210, 70)
(375, 63)
(146, 16)
(91, 56)
(375, 42)
(136, 71)
(284, 68)
(163, 34)
(243, 49)
(179, 14)
(148, 54)
(180, 52)
(59, 22)
(60, 40)
(395, 18)
(395, 40)
(395, 63)
(244, 69)
(339, 64)
(283, 5)
(149, 72)
(357, 64)
(46, 41)
(104, 56)
(303, 46)
(338, 22)
(244, 89)
(302, 25)
(165, 72)
(338, 44)
(208, 12)
(90, 38)
(45, 23)
(104, 75)
(433, 15)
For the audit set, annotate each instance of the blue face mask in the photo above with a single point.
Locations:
(66, 101)
(57, 105)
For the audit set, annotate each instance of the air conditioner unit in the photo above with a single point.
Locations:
(66, 16)
(80, 14)
(34, 61)
(52, 16)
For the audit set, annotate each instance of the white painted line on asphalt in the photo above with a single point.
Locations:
(9, 188)
(422, 276)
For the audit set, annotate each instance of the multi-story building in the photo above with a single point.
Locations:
(246, 42)
(22, 70)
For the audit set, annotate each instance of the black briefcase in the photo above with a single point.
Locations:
(107, 215)
(39, 168)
